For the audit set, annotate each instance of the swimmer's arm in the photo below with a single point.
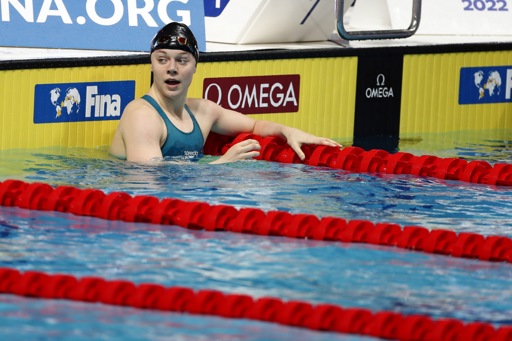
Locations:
(232, 123)
(141, 136)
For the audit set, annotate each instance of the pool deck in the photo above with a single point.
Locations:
(9, 54)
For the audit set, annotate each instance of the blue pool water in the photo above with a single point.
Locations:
(349, 275)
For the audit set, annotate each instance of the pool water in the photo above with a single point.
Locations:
(350, 275)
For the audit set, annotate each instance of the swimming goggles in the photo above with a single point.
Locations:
(170, 40)
(175, 42)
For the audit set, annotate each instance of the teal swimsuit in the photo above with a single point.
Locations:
(178, 143)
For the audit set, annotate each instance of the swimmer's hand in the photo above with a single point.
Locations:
(244, 150)
(296, 138)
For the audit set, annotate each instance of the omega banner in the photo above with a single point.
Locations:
(255, 95)
(378, 100)
(126, 25)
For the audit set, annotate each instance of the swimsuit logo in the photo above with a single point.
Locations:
(485, 85)
(65, 102)
(191, 153)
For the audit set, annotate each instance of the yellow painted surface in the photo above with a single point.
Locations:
(327, 91)
(327, 97)
(430, 95)
(17, 87)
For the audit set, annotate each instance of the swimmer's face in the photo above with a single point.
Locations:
(173, 71)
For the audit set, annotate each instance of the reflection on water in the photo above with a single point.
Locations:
(350, 275)
(405, 200)
(28, 319)
(492, 146)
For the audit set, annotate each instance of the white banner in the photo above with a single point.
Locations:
(466, 17)
(269, 21)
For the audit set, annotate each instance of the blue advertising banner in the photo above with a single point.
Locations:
(479, 85)
(81, 102)
(119, 25)
(214, 8)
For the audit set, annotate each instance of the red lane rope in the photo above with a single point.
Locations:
(200, 215)
(355, 159)
(322, 317)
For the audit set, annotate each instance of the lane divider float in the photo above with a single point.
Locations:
(320, 317)
(199, 215)
(203, 216)
(355, 159)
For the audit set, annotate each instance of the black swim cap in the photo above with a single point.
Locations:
(175, 36)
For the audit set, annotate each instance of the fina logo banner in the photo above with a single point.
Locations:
(82, 102)
(125, 25)
(480, 85)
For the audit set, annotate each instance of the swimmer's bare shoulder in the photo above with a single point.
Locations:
(139, 126)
